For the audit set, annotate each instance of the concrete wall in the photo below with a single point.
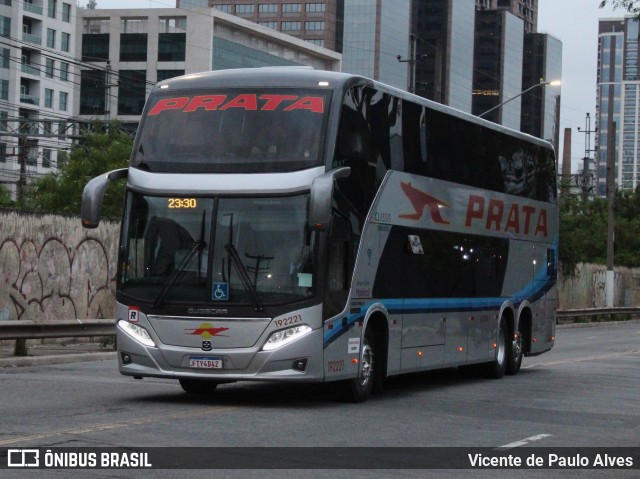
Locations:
(53, 269)
(586, 290)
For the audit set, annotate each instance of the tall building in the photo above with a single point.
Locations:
(498, 60)
(126, 51)
(527, 10)
(618, 101)
(444, 39)
(540, 106)
(320, 23)
(376, 34)
(37, 84)
(370, 34)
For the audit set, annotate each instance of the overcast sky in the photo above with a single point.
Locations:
(574, 22)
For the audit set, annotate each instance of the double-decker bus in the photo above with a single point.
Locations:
(287, 224)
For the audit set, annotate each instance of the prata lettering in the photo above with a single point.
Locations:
(496, 215)
(266, 102)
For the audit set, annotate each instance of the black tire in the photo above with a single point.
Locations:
(496, 368)
(514, 354)
(359, 389)
(198, 387)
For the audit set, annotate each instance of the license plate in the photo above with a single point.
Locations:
(204, 362)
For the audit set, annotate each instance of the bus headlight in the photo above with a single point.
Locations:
(137, 332)
(285, 336)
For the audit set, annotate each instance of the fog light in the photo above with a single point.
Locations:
(300, 364)
(126, 359)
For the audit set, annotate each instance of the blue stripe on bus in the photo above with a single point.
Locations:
(532, 291)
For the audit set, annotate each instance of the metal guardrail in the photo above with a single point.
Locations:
(28, 329)
(590, 312)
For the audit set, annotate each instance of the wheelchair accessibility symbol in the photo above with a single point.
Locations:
(220, 292)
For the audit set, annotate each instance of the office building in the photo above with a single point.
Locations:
(130, 50)
(618, 102)
(498, 60)
(526, 10)
(37, 84)
(370, 34)
(540, 106)
(320, 23)
(444, 39)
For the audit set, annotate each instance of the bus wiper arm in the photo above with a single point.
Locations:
(244, 276)
(179, 271)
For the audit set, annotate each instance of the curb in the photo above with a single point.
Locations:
(17, 361)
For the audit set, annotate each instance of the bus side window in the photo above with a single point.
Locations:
(339, 266)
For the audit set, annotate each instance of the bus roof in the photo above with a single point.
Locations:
(307, 77)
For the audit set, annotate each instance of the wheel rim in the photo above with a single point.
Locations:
(500, 354)
(517, 347)
(366, 369)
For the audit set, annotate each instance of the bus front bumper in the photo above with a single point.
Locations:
(300, 360)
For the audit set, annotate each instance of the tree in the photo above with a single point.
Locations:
(628, 5)
(96, 153)
(583, 231)
(5, 197)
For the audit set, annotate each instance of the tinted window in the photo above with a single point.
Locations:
(232, 131)
(452, 265)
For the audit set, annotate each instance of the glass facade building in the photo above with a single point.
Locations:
(498, 62)
(152, 45)
(444, 51)
(543, 55)
(375, 34)
(618, 102)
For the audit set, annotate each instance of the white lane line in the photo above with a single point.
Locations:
(522, 442)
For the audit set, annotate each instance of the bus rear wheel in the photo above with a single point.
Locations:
(359, 389)
(198, 387)
(514, 354)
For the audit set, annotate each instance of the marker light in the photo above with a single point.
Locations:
(285, 336)
(137, 332)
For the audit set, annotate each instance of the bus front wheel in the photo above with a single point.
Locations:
(359, 389)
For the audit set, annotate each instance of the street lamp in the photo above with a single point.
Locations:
(542, 83)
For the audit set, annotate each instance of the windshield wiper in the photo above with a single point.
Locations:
(244, 275)
(179, 272)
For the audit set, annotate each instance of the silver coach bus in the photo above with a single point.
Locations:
(286, 224)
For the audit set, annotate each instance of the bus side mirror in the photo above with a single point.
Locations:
(93, 195)
(321, 196)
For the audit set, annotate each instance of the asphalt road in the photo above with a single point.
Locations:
(584, 393)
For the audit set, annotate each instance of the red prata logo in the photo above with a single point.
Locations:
(421, 200)
(515, 218)
(265, 102)
(492, 214)
(206, 331)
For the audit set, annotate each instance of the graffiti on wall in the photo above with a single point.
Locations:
(51, 269)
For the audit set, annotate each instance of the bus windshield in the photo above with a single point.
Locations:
(245, 251)
(232, 131)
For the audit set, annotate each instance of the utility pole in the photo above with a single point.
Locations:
(411, 88)
(586, 169)
(611, 198)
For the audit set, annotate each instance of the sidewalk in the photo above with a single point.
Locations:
(54, 353)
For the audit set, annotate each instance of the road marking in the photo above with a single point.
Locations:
(522, 442)
(578, 360)
(114, 425)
